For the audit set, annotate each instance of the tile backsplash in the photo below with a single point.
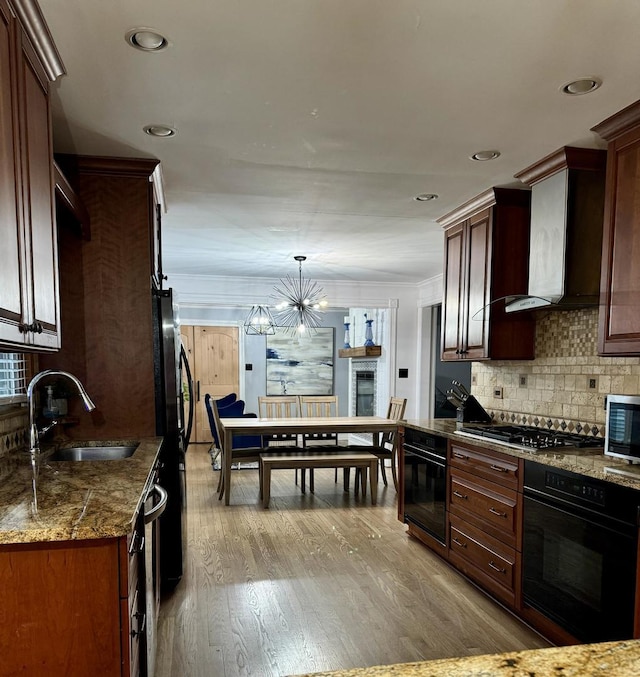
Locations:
(565, 386)
(13, 430)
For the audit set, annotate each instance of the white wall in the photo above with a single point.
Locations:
(403, 301)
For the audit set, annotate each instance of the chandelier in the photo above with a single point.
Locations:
(300, 302)
(260, 321)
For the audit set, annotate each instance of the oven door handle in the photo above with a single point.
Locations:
(425, 455)
(159, 508)
(579, 512)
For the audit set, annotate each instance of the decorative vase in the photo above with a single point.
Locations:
(368, 332)
(347, 344)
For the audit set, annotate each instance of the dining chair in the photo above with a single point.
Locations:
(244, 454)
(317, 406)
(386, 446)
(279, 406)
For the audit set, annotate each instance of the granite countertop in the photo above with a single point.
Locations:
(76, 500)
(609, 659)
(586, 461)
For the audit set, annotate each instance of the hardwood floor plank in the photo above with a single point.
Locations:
(317, 582)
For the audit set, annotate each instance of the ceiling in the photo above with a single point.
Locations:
(309, 126)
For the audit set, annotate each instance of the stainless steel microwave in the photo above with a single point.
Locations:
(622, 431)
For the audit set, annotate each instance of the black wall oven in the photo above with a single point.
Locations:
(579, 552)
(425, 483)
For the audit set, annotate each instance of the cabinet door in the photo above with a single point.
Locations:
(619, 330)
(475, 336)
(452, 308)
(11, 236)
(39, 203)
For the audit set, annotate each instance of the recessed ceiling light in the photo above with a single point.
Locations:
(581, 86)
(484, 155)
(146, 39)
(162, 131)
(425, 197)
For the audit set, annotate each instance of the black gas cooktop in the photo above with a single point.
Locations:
(531, 437)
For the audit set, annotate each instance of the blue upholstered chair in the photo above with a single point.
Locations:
(246, 448)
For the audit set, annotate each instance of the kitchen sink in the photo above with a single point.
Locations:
(106, 453)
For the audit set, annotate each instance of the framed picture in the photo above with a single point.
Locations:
(300, 365)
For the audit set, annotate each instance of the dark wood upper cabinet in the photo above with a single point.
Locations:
(619, 321)
(29, 304)
(485, 259)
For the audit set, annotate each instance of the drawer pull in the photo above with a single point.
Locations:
(458, 455)
(495, 567)
(459, 542)
(462, 496)
(493, 511)
(497, 468)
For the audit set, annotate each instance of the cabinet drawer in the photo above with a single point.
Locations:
(130, 549)
(500, 468)
(489, 506)
(485, 559)
(482, 551)
(132, 630)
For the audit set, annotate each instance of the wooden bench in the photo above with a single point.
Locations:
(333, 458)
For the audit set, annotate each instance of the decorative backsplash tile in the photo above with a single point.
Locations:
(13, 431)
(566, 383)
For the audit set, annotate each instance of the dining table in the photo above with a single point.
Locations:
(231, 427)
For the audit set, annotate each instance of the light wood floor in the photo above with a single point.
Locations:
(317, 582)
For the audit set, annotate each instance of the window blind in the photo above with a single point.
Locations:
(13, 377)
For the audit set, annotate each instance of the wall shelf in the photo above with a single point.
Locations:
(361, 351)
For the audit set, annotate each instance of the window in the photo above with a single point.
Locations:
(14, 374)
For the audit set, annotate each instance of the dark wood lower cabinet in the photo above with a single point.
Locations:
(494, 565)
(73, 607)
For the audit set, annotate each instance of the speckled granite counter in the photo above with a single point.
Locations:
(591, 462)
(610, 659)
(75, 499)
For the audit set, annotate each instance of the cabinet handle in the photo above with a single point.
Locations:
(140, 631)
(459, 495)
(495, 567)
(497, 468)
(35, 327)
(198, 391)
(497, 512)
(458, 542)
(137, 543)
(462, 456)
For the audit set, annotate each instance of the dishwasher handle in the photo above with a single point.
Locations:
(159, 508)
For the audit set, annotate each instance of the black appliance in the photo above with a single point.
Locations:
(170, 366)
(532, 438)
(579, 552)
(425, 482)
(154, 505)
(622, 432)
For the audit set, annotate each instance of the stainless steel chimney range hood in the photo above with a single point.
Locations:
(565, 243)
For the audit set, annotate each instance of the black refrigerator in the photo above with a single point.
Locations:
(171, 370)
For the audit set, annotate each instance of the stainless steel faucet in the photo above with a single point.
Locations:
(34, 433)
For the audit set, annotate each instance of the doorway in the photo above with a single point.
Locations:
(445, 372)
(214, 356)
